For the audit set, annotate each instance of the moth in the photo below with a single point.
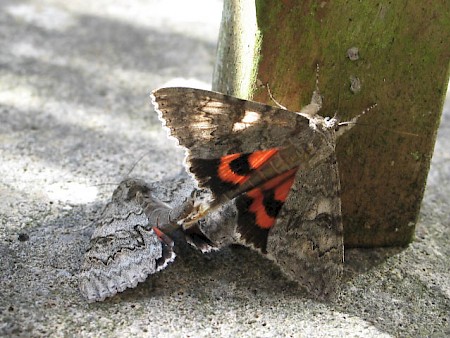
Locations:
(127, 245)
(273, 171)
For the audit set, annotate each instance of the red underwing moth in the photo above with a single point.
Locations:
(126, 245)
(273, 170)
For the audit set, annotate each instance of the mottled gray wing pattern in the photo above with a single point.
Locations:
(307, 239)
(211, 124)
(124, 248)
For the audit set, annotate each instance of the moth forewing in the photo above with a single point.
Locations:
(307, 238)
(286, 205)
(124, 248)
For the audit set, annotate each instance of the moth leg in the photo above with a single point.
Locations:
(169, 220)
(273, 99)
(313, 107)
(201, 204)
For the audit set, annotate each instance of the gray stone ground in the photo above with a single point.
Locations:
(75, 117)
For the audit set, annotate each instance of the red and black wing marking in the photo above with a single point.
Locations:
(220, 133)
(258, 209)
(224, 174)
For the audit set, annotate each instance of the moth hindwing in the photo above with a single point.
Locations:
(278, 170)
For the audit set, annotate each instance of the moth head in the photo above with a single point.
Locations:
(331, 122)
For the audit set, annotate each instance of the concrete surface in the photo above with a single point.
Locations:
(75, 118)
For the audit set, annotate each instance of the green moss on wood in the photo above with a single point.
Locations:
(403, 67)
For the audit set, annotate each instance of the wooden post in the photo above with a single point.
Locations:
(393, 53)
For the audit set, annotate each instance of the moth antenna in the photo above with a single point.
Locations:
(315, 105)
(135, 164)
(406, 133)
(123, 177)
(353, 120)
(316, 97)
(347, 125)
(317, 77)
(273, 99)
(104, 184)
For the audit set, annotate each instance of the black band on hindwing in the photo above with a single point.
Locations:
(247, 225)
(241, 166)
(271, 205)
(205, 171)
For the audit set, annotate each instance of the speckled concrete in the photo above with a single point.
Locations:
(75, 118)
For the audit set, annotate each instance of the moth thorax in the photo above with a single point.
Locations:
(330, 122)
